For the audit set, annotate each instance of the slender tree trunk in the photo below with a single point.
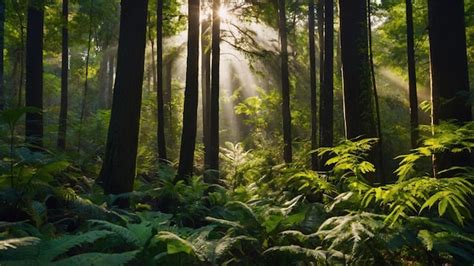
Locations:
(379, 147)
(326, 115)
(119, 166)
(191, 94)
(64, 78)
(285, 84)
(34, 72)
(103, 80)
(359, 112)
(2, 45)
(21, 53)
(313, 85)
(152, 44)
(320, 19)
(86, 81)
(338, 61)
(159, 85)
(167, 96)
(412, 75)
(110, 78)
(214, 103)
(206, 85)
(449, 72)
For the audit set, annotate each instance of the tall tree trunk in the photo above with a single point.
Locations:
(64, 78)
(359, 113)
(326, 115)
(34, 72)
(313, 85)
(119, 166)
(21, 53)
(167, 96)
(213, 162)
(110, 78)
(337, 37)
(285, 83)
(86, 80)
(320, 19)
(449, 71)
(412, 75)
(2, 45)
(103, 79)
(152, 44)
(206, 85)
(159, 85)
(191, 94)
(379, 147)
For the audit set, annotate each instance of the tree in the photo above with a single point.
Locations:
(412, 75)
(449, 72)
(213, 162)
(313, 85)
(206, 84)
(34, 72)
(191, 94)
(285, 83)
(2, 45)
(118, 169)
(159, 85)
(359, 112)
(327, 95)
(86, 78)
(64, 78)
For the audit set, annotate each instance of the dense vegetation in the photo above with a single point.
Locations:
(274, 132)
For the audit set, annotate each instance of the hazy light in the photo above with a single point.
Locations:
(223, 13)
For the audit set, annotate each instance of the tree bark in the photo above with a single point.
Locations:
(34, 72)
(285, 84)
(206, 85)
(118, 169)
(61, 143)
(110, 77)
(327, 90)
(412, 75)
(449, 72)
(159, 85)
(191, 94)
(313, 85)
(379, 146)
(358, 104)
(213, 162)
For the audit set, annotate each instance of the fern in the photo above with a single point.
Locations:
(15, 243)
(296, 253)
(451, 195)
(98, 259)
(45, 251)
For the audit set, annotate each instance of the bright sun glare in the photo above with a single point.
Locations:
(223, 14)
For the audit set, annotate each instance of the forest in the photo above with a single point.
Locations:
(236, 132)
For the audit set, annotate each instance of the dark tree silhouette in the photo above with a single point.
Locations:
(34, 72)
(159, 85)
(412, 75)
(206, 84)
(358, 101)
(191, 94)
(449, 71)
(118, 169)
(213, 162)
(64, 78)
(326, 113)
(313, 85)
(285, 83)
